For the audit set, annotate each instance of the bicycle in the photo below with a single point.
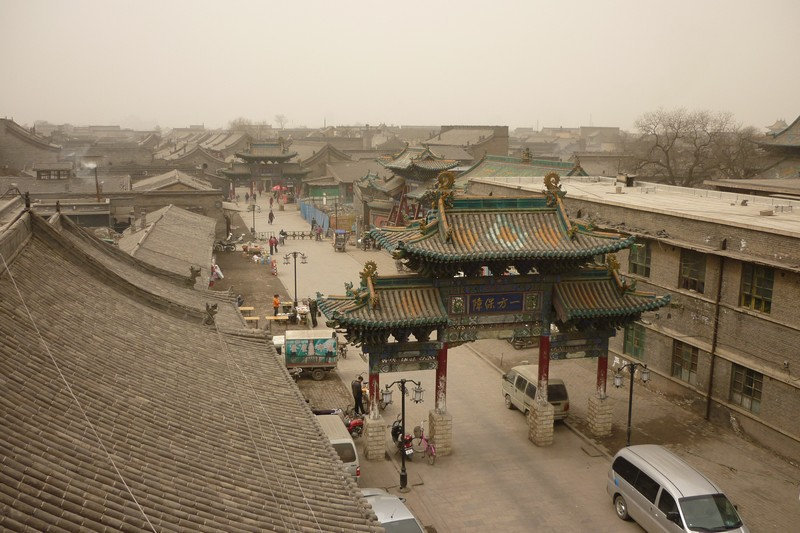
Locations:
(422, 444)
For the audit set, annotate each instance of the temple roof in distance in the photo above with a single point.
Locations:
(494, 166)
(789, 137)
(267, 151)
(495, 228)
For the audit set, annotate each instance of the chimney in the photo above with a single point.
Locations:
(144, 218)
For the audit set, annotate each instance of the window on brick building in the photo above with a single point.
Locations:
(693, 271)
(633, 342)
(756, 291)
(639, 259)
(684, 362)
(746, 387)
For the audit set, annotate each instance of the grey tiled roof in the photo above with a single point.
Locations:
(171, 178)
(174, 239)
(117, 415)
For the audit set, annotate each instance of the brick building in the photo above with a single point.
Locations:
(726, 347)
(477, 140)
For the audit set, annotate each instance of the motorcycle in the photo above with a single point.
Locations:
(355, 425)
(228, 244)
(403, 442)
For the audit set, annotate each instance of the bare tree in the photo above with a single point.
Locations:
(240, 124)
(675, 146)
(735, 153)
(281, 120)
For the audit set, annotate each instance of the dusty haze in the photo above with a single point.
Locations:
(344, 62)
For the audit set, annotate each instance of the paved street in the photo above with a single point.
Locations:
(498, 480)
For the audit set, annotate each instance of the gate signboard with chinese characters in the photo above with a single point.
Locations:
(487, 307)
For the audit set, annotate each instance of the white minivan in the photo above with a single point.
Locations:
(518, 388)
(662, 492)
(342, 442)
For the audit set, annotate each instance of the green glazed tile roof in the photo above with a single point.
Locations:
(398, 307)
(601, 298)
(499, 229)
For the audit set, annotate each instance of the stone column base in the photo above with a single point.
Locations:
(540, 423)
(374, 438)
(441, 429)
(600, 416)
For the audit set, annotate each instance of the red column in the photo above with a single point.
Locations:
(374, 393)
(441, 380)
(544, 366)
(602, 374)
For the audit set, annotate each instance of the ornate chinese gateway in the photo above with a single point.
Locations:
(492, 267)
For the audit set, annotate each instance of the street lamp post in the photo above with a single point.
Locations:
(387, 399)
(618, 383)
(303, 260)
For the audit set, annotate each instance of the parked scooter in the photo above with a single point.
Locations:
(403, 442)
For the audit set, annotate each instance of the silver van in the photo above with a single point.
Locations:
(342, 442)
(518, 387)
(659, 490)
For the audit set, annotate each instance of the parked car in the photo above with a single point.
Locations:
(392, 512)
(342, 443)
(662, 492)
(518, 387)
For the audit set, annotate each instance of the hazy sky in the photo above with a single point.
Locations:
(552, 63)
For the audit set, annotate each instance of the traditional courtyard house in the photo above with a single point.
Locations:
(225, 144)
(315, 157)
(132, 401)
(726, 345)
(20, 148)
(477, 140)
(194, 157)
(179, 189)
(172, 239)
(374, 198)
(525, 169)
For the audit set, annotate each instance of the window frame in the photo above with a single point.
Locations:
(638, 265)
(748, 394)
(692, 271)
(752, 294)
(633, 340)
(684, 355)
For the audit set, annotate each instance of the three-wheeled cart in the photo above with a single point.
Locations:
(315, 351)
(340, 240)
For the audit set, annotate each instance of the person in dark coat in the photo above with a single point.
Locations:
(312, 308)
(358, 395)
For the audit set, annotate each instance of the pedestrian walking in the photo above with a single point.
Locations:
(313, 310)
(271, 199)
(276, 304)
(358, 395)
(313, 224)
(271, 216)
(273, 245)
(247, 197)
